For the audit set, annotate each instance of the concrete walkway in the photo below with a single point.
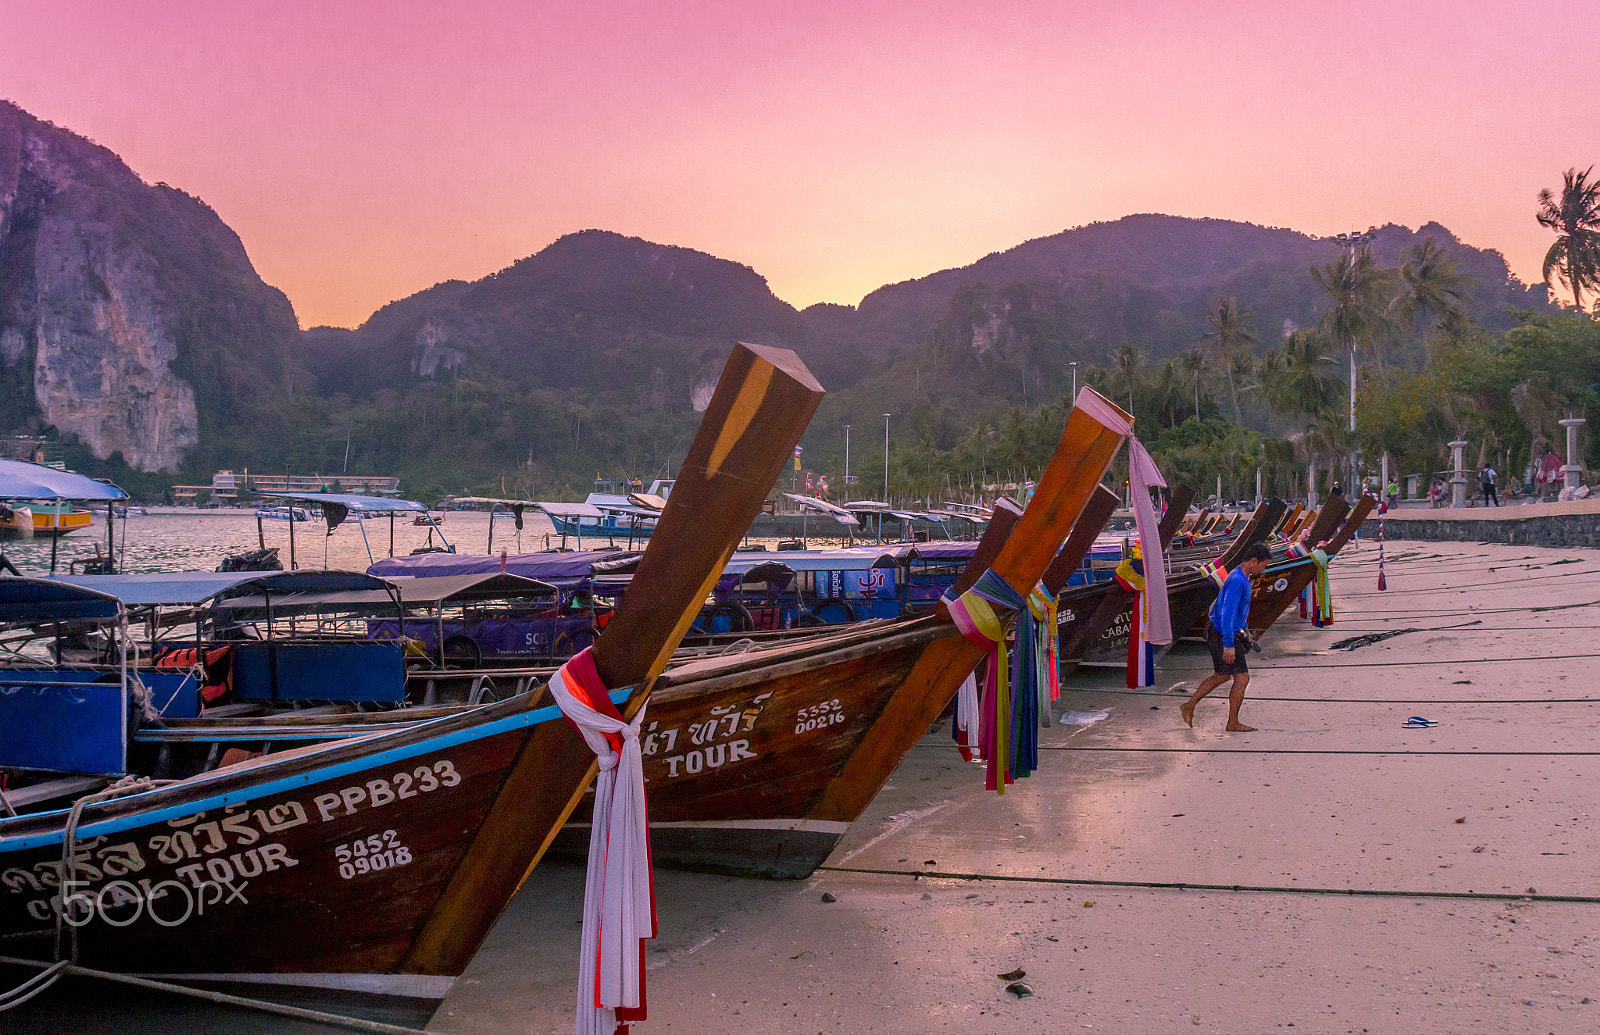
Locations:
(1332, 794)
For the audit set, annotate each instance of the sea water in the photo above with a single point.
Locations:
(198, 540)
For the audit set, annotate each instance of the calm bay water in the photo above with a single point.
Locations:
(199, 540)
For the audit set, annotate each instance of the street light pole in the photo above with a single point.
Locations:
(847, 463)
(1074, 366)
(886, 459)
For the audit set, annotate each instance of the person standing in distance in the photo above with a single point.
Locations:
(1225, 628)
(1487, 485)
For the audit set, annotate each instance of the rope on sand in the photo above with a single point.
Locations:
(1361, 700)
(1393, 664)
(1483, 896)
(1315, 751)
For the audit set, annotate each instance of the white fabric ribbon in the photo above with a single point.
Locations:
(967, 709)
(617, 909)
(1157, 624)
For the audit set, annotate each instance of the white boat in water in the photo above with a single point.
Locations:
(285, 513)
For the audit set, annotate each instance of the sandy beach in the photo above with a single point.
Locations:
(1395, 882)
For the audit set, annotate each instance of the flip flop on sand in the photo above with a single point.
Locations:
(1417, 722)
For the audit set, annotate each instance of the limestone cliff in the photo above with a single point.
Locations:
(117, 297)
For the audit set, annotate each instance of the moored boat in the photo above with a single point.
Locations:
(367, 869)
(758, 763)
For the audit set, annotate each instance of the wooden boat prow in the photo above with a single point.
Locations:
(447, 817)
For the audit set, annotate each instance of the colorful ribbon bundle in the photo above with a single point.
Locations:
(1048, 678)
(1008, 711)
(619, 909)
(1141, 652)
(1317, 598)
(1214, 571)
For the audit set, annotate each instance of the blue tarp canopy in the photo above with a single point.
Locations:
(558, 568)
(947, 552)
(168, 589)
(191, 588)
(849, 559)
(20, 480)
(46, 600)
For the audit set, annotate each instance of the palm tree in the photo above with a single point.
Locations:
(1194, 365)
(1575, 217)
(1431, 293)
(1268, 385)
(1355, 284)
(1309, 385)
(1166, 392)
(1128, 363)
(1230, 333)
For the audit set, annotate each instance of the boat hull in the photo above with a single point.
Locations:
(307, 877)
(737, 764)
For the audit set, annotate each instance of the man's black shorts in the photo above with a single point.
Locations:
(1220, 667)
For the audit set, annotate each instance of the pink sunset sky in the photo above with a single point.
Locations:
(364, 151)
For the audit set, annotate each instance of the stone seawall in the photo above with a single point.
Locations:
(1539, 524)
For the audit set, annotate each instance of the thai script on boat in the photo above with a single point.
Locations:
(710, 743)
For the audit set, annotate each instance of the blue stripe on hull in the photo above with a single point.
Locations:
(379, 760)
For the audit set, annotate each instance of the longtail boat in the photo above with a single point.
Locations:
(1089, 614)
(1108, 647)
(365, 871)
(1287, 577)
(1188, 597)
(757, 764)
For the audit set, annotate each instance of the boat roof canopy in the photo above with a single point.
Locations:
(20, 480)
(436, 589)
(833, 510)
(24, 600)
(360, 504)
(193, 588)
(561, 569)
(570, 510)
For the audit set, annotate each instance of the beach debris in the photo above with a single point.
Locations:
(1369, 639)
(1417, 722)
(1462, 682)
(1533, 891)
(930, 862)
(1479, 849)
(1072, 718)
(927, 897)
(806, 954)
(1051, 938)
(1461, 819)
(1088, 904)
(1013, 975)
(827, 896)
(1019, 990)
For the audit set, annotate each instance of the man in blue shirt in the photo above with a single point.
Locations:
(1225, 628)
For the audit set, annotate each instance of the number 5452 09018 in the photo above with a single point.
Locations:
(370, 854)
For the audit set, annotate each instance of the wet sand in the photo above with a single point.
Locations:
(941, 886)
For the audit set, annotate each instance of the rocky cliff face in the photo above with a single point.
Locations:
(110, 291)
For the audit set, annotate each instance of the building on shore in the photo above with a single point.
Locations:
(227, 486)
